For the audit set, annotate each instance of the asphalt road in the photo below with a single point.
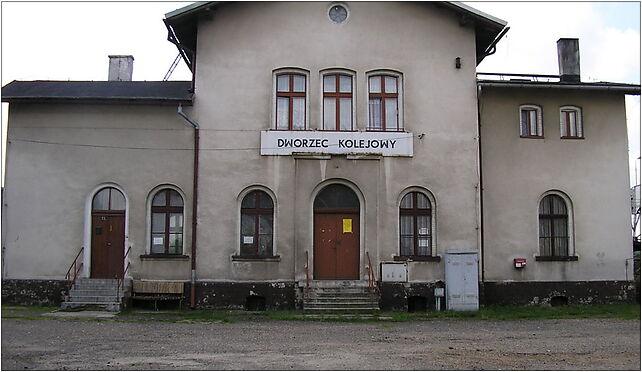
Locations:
(59, 344)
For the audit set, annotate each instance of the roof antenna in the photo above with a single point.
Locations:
(172, 67)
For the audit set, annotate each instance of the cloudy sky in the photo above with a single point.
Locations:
(71, 41)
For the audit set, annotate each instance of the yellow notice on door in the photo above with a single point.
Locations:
(347, 225)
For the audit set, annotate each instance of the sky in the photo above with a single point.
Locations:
(71, 41)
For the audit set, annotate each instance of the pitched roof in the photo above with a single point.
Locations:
(182, 26)
(142, 92)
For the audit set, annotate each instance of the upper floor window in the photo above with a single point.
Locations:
(384, 103)
(167, 222)
(415, 225)
(337, 102)
(571, 122)
(530, 121)
(291, 91)
(257, 221)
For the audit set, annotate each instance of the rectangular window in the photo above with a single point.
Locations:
(530, 121)
(571, 123)
(337, 102)
(383, 103)
(290, 102)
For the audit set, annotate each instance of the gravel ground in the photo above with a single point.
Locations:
(59, 344)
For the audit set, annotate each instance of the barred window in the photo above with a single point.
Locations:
(553, 227)
(415, 225)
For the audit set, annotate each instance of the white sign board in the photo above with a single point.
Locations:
(275, 142)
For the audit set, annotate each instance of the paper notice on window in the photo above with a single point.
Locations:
(248, 240)
(158, 241)
(347, 225)
(423, 242)
(423, 231)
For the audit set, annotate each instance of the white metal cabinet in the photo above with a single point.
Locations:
(462, 280)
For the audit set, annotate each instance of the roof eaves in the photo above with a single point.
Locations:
(616, 87)
(186, 10)
(477, 13)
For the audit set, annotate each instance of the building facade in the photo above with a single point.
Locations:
(352, 138)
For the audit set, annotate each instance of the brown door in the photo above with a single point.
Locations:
(107, 244)
(336, 246)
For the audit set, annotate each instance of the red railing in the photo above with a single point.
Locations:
(307, 270)
(74, 269)
(372, 279)
(121, 280)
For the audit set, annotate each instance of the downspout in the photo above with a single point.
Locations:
(196, 127)
(481, 184)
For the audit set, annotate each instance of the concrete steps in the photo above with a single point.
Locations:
(340, 297)
(100, 294)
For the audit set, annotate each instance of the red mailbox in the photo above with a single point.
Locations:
(520, 263)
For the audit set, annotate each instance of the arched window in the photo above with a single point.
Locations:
(257, 225)
(415, 225)
(108, 199)
(167, 222)
(571, 122)
(553, 227)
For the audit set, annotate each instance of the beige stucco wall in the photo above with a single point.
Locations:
(48, 185)
(238, 50)
(592, 172)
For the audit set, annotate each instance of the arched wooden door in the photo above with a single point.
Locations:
(336, 234)
(107, 233)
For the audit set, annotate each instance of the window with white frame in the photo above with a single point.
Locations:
(385, 102)
(290, 100)
(338, 102)
(571, 122)
(530, 121)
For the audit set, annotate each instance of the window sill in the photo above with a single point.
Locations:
(163, 257)
(532, 137)
(418, 258)
(572, 138)
(256, 258)
(311, 156)
(555, 258)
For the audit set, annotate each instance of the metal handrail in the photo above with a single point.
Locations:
(307, 270)
(121, 280)
(372, 279)
(75, 267)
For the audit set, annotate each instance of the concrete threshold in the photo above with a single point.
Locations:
(81, 314)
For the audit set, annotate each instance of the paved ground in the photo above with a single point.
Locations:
(62, 344)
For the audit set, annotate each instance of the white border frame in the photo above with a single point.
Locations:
(400, 96)
(540, 119)
(239, 201)
(340, 71)
(86, 272)
(290, 70)
(363, 275)
(571, 220)
(433, 216)
(148, 215)
(578, 116)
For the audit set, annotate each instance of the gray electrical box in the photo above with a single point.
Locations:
(394, 272)
(462, 280)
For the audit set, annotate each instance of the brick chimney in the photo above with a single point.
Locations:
(568, 59)
(121, 68)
